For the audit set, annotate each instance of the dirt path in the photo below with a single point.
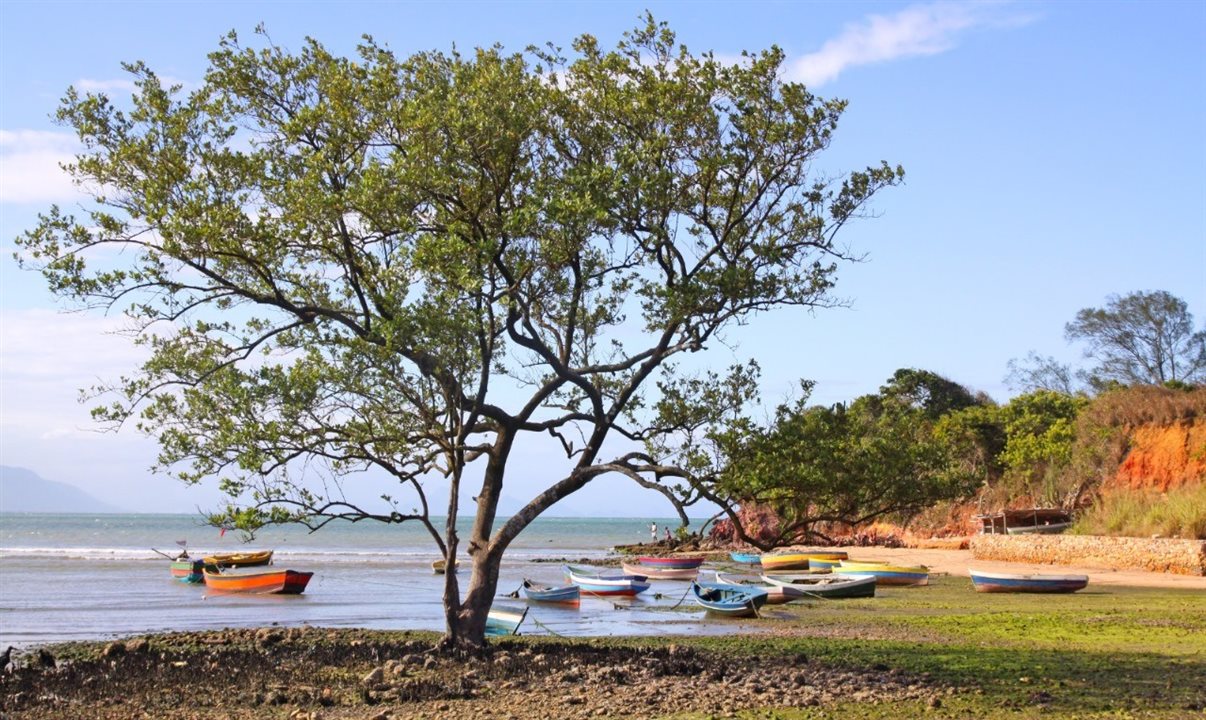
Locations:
(957, 562)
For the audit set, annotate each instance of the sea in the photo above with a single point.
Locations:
(97, 577)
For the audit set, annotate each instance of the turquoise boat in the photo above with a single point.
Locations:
(503, 620)
(746, 558)
(729, 600)
(536, 592)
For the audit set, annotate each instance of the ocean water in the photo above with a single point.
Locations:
(93, 577)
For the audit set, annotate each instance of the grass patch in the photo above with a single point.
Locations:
(1178, 513)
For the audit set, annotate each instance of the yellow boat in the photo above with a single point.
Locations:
(239, 559)
(799, 561)
(884, 573)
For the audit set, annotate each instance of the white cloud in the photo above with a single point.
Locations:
(30, 166)
(126, 84)
(917, 30)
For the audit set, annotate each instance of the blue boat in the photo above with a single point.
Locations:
(569, 594)
(746, 558)
(595, 583)
(503, 620)
(1008, 583)
(729, 600)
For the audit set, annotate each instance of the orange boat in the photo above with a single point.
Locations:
(282, 582)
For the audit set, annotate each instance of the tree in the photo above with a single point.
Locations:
(845, 464)
(1040, 432)
(1041, 373)
(1141, 338)
(416, 264)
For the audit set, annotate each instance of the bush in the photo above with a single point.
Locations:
(1179, 513)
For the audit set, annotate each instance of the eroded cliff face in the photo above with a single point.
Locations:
(1164, 457)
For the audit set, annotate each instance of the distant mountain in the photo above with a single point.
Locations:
(22, 490)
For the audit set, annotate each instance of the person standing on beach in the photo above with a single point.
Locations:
(653, 531)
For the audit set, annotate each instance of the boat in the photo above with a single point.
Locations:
(816, 563)
(1044, 521)
(678, 561)
(729, 600)
(886, 574)
(188, 571)
(799, 560)
(503, 620)
(239, 559)
(595, 583)
(745, 558)
(661, 573)
(775, 594)
(536, 592)
(988, 582)
(831, 587)
(281, 582)
(438, 566)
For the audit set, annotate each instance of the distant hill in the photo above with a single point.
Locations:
(23, 490)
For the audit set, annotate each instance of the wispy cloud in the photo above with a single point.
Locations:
(917, 30)
(30, 166)
(126, 84)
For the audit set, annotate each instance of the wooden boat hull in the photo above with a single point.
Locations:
(278, 582)
(503, 620)
(886, 574)
(987, 582)
(188, 571)
(239, 559)
(775, 594)
(566, 594)
(1049, 529)
(600, 584)
(799, 561)
(681, 562)
(729, 600)
(661, 573)
(746, 558)
(830, 587)
(439, 566)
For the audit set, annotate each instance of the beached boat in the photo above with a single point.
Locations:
(886, 574)
(816, 563)
(775, 594)
(188, 571)
(988, 582)
(280, 582)
(596, 583)
(729, 600)
(503, 620)
(661, 573)
(253, 558)
(1048, 529)
(438, 566)
(798, 560)
(677, 561)
(568, 594)
(830, 587)
(745, 558)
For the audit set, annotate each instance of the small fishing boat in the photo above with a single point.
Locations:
(745, 558)
(987, 582)
(595, 583)
(188, 571)
(729, 600)
(1048, 529)
(438, 566)
(503, 620)
(886, 574)
(536, 592)
(830, 587)
(677, 561)
(799, 560)
(775, 594)
(253, 558)
(280, 582)
(830, 564)
(661, 573)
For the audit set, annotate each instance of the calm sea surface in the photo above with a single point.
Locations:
(70, 577)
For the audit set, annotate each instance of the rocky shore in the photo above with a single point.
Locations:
(312, 674)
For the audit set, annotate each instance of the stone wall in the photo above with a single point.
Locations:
(1184, 557)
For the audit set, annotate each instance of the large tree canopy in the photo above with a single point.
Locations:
(414, 264)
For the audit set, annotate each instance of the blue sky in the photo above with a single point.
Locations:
(1055, 154)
